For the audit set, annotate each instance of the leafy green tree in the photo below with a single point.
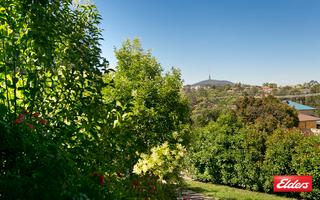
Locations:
(315, 87)
(251, 149)
(208, 103)
(280, 147)
(266, 113)
(50, 99)
(153, 108)
(212, 153)
(272, 85)
(306, 161)
(314, 102)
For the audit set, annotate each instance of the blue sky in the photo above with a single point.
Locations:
(247, 41)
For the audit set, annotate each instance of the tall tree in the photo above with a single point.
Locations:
(267, 113)
(50, 81)
(154, 109)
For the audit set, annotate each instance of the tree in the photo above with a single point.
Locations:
(213, 149)
(271, 85)
(251, 147)
(306, 161)
(206, 104)
(154, 110)
(50, 101)
(267, 113)
(280, 147)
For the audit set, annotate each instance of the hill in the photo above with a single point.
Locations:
(212, 82)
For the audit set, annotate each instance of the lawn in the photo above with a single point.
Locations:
(228, 193)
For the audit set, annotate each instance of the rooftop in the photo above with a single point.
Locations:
(299, 106)
(304, 118)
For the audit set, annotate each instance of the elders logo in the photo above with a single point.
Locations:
(292, 183)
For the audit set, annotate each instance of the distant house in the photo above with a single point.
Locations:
(307, 121)
(303, 109)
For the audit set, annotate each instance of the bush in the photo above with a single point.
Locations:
(306, 161)
(278, 158)
(267, 113)
(229, 152)
(212, 152)
(150, 111)
(33, 165)
(163, 162)
(249, 159)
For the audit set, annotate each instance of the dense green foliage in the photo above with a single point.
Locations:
(208, 103)
(248, 146)
(70, 128)
(266, 113)
(153, 110)
(151, 113)
(67, 131)
(48, 124)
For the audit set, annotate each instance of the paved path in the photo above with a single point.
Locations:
(191, 195)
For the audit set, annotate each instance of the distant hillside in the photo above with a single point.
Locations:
(212, 82)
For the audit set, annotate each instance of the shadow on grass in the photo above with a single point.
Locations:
(201, 190)
(210, 193)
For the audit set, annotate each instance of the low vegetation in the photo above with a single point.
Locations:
(221, 192)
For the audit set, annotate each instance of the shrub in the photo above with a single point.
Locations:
(249, 159)
(278, 158)
(268, 113)
(229, 152)
(212, 152)
(306, 161)
(164, 162)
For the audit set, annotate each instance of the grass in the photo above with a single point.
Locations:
(228, 193)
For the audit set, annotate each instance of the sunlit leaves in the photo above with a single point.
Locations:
(149, 105)
(49, 64)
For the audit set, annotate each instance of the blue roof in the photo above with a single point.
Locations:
(299, 106)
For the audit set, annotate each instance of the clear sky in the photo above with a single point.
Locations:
(247, 41)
